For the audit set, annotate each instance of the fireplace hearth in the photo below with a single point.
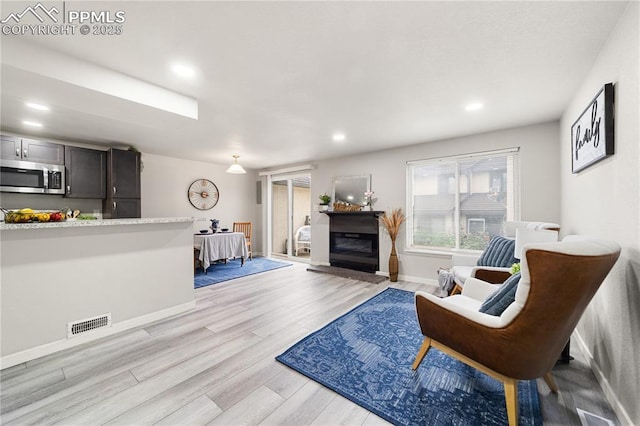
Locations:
(354, 240)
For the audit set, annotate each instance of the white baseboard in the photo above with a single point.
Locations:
(419, 280)
(609, 393)
(49, 348)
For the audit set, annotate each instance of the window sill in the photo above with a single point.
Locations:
(428, 252)
(439, 253)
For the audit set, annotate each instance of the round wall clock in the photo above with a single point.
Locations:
(203, 194)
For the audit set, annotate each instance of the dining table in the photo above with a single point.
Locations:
(220, 246)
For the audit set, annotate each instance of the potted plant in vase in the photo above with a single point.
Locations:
(324, 202)
(392, 223)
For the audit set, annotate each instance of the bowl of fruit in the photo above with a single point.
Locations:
(29, 216)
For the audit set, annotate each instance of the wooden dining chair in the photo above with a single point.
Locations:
(245, 228)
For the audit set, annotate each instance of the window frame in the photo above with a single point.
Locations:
(510, 216)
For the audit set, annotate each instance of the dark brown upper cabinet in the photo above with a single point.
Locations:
(22, 149)
(86, 172)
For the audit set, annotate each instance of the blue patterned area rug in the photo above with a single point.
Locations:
(219, 272)
(366, 356)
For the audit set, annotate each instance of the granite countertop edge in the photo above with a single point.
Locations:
(74, 223)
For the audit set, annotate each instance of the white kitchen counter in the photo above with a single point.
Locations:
(74, 223)
(53, 274)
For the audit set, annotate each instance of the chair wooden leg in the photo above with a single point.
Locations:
(456, 290)
(196, 260)
(550, 382)
(426, 344)
(511, 399)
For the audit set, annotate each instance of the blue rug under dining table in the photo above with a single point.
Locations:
(233, 268)
(366, 356)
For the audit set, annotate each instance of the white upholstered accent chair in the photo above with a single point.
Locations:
(558, 280)
(465, 265)
(302, 240)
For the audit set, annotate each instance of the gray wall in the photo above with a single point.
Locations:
(164, 184)
(604, 200)
(540, 197)
(51, 276)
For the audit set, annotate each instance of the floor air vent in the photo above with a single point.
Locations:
(590, 419)
(83, 326)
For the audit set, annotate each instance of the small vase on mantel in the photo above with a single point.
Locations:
(393, 263)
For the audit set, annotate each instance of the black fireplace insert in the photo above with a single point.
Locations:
(353, 241)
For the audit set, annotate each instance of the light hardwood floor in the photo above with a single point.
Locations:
(215, 365)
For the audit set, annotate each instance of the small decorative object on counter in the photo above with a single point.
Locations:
(214, 225)
(83, 216)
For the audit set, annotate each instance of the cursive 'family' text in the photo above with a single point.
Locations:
(591, 135)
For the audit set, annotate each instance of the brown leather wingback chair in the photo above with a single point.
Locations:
(558, 280)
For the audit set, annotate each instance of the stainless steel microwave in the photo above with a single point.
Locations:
(32, 178)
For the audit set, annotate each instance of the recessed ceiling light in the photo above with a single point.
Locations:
(183, 70)
(31, 123)
(339, 137)
(39, 107)
(473, 107)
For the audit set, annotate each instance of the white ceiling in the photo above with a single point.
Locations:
(275, 80)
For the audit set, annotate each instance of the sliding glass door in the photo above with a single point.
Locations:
(279, 217)
(290, 216)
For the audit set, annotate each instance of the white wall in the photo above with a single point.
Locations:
(51, 276)
(164, 185)
(604, 200)
(539, 161)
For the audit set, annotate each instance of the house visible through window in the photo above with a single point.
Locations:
(461, 202)
(476, 226)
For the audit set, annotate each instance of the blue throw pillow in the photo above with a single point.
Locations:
(500, 299)
(500, 252)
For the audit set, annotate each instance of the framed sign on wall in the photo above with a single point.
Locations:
(592, 132)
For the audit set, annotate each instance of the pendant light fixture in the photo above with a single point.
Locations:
(236, 168)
